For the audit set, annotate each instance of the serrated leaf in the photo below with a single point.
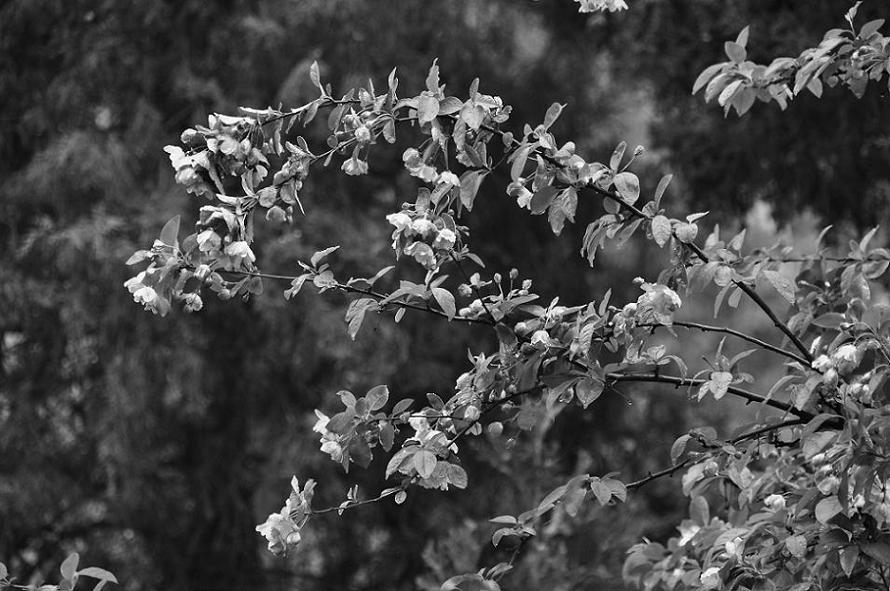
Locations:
(628, 186)
(170, 232)
(786, 287)
(661, 230)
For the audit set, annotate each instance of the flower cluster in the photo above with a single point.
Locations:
(425, 237)
(331, 443)
(282, 529)
(658, 304)
(598, 5)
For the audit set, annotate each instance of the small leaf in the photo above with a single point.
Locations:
(321, 254)
(661, 230)
(735, 51)
(432, 78)
(377, 397)
(587, 390)
(679, 447)
(705, 77)
(628, 186)
(457, 476)
(742, 39)
(69, 566)
(4, 573)
(661, 188)
(552, 114)
(699, 511)
(445, 300)
(402, 405)
(97, 573)
(170, 232)
(617, 155)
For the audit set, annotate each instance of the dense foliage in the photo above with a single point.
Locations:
(757, 481)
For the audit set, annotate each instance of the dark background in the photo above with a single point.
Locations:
(154, 446)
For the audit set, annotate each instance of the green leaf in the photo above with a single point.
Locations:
(457, 476)
(588, 389)
(742, 39)
(432, 78)
(602, 492)
(870, 28)
(396, 461)
(661, 188)
(617, 155)
(425, 463)
(735, 51)
(355, 315)
(552, 114)
(706, 76)
(427, 108)
(699, 511)
(97, 573)
(797, 545)
(170, 232)
(321, 254)
(880, 551)
(445, 300)
(469, 186)
(542, 199)
(785, 286)
(661, 230)
(849, 555)
(678, 447)
(69, 566)
(628, 186)
(519, 163)
(828, 508)
(377, 397)
(4, 573)
(402, 405)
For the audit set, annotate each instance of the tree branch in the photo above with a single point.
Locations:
(735, 333)
(614, 378)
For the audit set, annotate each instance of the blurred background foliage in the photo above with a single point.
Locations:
(153, 446)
